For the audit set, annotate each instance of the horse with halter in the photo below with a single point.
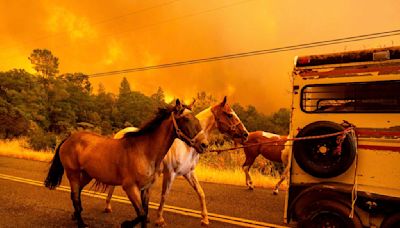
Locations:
(132, 161)
(272, 147)
(182, 159)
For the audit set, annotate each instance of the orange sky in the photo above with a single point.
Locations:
(98, 36)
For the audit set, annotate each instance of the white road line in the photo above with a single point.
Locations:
(173, 209)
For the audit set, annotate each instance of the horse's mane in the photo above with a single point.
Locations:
(149, 126)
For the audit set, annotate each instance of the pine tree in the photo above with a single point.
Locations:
(45, 64)
(124, 88)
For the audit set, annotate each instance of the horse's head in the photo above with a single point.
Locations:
(188, 128)
(228, 122)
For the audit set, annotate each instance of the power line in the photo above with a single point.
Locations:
(169, 20)
(252, 53)
(173, 19)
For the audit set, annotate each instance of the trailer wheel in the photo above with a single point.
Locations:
(317, 157)
(328, 213)
(391, 221)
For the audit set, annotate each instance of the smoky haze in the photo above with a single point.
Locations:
(100, 36)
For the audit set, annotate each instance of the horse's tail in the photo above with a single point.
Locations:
(56, 170)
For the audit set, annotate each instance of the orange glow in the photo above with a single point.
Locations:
(94, 36)
(169, 98)
(63, 21)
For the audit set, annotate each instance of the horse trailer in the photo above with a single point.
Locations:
(345, 126)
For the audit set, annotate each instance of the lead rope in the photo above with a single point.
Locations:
(340, 134)
(355, 183)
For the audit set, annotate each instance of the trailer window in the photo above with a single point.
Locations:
(352, 97)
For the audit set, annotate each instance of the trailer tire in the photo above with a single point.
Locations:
(328, 213)
(316, 156)
(391, 221)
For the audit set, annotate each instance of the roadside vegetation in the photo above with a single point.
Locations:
(38, 110)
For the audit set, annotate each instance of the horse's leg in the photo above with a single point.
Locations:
(74, 181)
(283, 177)
(145, 202)
(108, 200)
(133, 193)
(168, 179)
(246, 168)
(285, 160)
(192, 179)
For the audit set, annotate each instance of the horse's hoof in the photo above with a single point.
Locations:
(205, 222)
(82, 225)
(251, 187)
(160, 223)
(107, 210)
(127, 224)
(275, 192)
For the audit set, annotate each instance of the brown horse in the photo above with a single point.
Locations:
(131, 161)
(272, 147)
(181, 160)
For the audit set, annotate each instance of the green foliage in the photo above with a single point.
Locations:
(159, 97)
(23, 91)
(134, 107)
(21, 102)
(124, 88)
(40, 140)
(106, 108)
(78, 81)
(45, 64)
(281, 121)
(12, 121)
(277, 123)
(203, 101)
(49, 105)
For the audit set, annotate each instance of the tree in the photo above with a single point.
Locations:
(124, 88)
(45, 64)
(159, 96)
(277, 123)
(141, 109)
(78, 80)
(101, 89)
(133, 106)
(78, 86)
(124, 102)
(61, 107)
(21, 90)
(12, 121)
(281, 120)
(105, 106)
(203, 101)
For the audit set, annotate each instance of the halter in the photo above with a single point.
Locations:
(182, 135)
(231, 127)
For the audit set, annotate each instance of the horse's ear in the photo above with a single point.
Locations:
(178, 106)
(178, 103)
(192, 104)
(223, 102)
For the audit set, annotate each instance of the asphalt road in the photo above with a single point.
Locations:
(27, 205)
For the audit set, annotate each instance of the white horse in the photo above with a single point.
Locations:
(120, 134)
(181, 159)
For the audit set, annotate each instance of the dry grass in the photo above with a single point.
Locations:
(232, 174)
(235, 177)
(18, 148)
